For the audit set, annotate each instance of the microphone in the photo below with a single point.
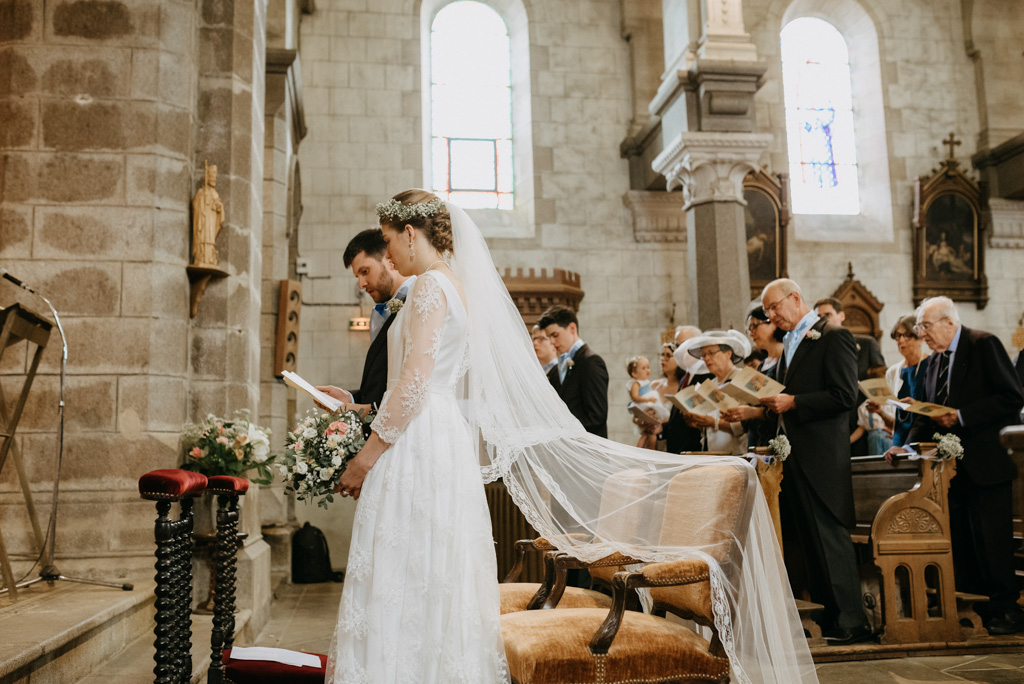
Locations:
(6, 275)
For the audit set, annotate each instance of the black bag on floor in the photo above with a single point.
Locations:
(311, 560)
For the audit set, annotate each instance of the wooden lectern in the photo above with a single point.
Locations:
(16, 324)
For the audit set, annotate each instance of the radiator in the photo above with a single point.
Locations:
(509, 525)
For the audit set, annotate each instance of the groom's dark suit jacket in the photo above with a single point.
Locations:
(986, 390)
(375, 368)
(585, 390)
(822, 375)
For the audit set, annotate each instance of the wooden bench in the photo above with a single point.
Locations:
(903, 542)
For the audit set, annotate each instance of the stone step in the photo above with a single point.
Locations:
(135, 663)
(61, 633)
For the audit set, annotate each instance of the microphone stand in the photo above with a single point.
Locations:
(49, 572)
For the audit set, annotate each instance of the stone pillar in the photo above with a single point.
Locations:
(705, 105)
(225, 335)
(710, 168)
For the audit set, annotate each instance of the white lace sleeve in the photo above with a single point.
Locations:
(426, 308)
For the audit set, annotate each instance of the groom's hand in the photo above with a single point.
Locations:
(337, 393)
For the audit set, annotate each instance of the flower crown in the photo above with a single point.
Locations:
(395, 211)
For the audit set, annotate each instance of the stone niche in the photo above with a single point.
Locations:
(534, 293)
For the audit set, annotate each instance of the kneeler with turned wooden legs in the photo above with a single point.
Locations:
(223, 668)
(173, 627)
(617, 492)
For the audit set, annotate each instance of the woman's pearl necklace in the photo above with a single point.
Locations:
(439, 261)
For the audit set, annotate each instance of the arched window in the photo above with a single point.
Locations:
(471, 107)
(819, 118)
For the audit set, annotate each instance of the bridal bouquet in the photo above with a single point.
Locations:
(317, 451)
(220, 446)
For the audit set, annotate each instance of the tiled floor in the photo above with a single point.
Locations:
(303, 617)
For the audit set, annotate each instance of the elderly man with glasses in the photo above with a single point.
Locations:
(818, 366)
(971, 372)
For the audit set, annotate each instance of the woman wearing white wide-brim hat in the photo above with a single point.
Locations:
(720, 350)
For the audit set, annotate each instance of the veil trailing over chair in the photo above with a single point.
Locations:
(556, 473)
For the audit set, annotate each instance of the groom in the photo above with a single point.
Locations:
(580, 376)
(377, 276)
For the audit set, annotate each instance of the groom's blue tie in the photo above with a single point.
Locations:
(382, 309)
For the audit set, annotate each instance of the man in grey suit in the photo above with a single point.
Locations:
(819, 368)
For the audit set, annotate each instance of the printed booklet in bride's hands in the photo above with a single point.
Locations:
(317, 451)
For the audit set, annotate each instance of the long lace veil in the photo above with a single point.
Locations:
(559, 476)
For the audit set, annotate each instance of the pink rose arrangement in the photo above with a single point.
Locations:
(235, 446)
(316, 452)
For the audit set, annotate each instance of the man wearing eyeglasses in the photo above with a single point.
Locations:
(818, 366)
(971, 372)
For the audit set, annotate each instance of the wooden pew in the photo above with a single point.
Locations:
(902, 536)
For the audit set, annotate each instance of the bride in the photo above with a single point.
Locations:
(468, 403)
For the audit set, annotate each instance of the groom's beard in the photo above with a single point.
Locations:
(384, 288)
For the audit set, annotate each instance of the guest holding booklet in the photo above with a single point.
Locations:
(720, 350)
(905, 377)
(768, 339)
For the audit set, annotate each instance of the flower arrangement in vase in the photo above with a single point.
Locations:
(222, 446)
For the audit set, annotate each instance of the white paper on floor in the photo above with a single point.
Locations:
(275, 655)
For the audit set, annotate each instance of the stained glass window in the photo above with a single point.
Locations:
(471, 107)
(819, 118)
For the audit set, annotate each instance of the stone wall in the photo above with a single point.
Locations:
(109, 111)
(96, 172)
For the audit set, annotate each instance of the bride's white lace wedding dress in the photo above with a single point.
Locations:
(420, 602)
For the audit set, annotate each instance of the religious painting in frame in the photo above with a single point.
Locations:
(949, 226)
(767, 216)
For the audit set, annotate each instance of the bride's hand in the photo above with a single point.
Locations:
(351, 483)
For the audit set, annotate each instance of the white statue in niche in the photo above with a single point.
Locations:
(207, 219)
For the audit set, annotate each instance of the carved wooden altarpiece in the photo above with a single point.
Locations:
(534, 293)
(860, 305)
(949, 222)
(767, 218)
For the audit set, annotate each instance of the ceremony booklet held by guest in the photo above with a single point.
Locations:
(645, 417)
(924, 408)
(710, 391)
(877, 390)
(749, 386)
(299, 383)
(690, 401)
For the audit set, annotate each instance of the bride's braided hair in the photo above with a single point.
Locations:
(436, 225)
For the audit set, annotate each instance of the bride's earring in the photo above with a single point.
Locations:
(412, 250)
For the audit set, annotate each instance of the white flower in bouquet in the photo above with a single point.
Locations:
(949, 446)
(309, 433)
(260, 443)
(301, 468)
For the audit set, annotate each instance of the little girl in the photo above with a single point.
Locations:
(643, 393)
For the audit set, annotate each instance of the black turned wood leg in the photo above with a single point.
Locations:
(175, 595)
(186, 587)
(220, 598)
(165, 618)
(232, 571)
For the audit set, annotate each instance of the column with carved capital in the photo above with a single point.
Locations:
(710, 168)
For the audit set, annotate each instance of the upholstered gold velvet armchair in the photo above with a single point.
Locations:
(706, 507)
